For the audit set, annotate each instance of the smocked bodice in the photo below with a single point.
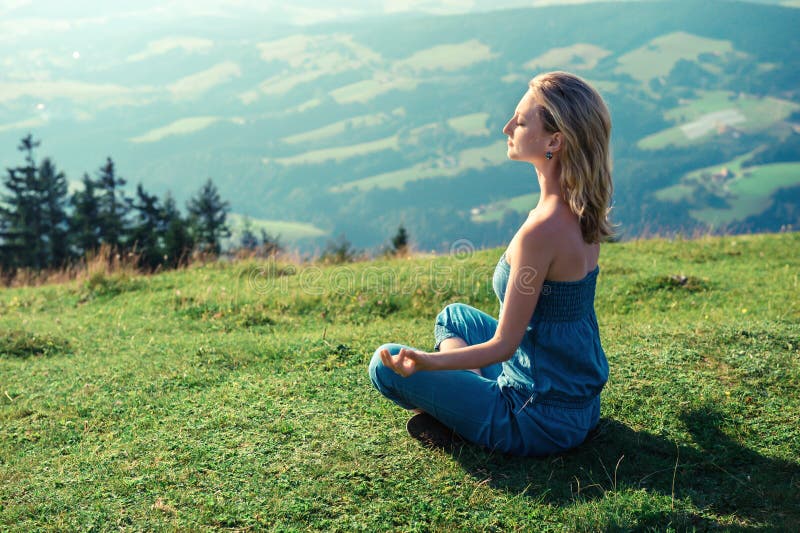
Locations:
(560, 358)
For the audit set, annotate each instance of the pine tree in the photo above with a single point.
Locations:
(178, 242)
(207, 214)
(270, 245)
(20, 212)
(113, 206)
(85, 222)
(55, 224)
(400, 241)
(149, 229)
(248, 241)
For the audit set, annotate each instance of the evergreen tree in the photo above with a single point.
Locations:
(113, 206)
(85, 222)
(20, 211)
(400, 241)
(207, 214)
(55, 223)
(178, 242)
(270, 245)
(149, 229)
(248, 241)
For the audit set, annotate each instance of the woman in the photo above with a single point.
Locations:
(528, 383)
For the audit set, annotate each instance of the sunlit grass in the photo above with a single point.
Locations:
(236, 396)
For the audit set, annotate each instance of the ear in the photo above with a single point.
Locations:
(554, 145)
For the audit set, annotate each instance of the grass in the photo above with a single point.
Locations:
(446, 167)
(715, 112)
(235, 396)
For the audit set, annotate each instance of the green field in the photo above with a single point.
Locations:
(337, 128)
(365, 90)
(338, 153)
(197, 84)
(236, 397)
(748, 191)
(182, 126)
(471, 158)
(716, 112)
(751, 193)
(446, 57)
(657, 58)
(495, 211)
(579, 56)
(472, 124)
(700, 178)
(286, 230)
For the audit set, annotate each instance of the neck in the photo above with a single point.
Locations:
(549, 177)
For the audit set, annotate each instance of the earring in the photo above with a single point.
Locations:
(548, 155)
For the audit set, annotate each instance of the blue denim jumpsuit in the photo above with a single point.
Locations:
(543, 400)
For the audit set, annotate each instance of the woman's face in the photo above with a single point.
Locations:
(527, 139)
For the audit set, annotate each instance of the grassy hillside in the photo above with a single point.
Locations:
(236, 396)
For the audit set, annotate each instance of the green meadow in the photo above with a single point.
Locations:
(287, 231)
(495, 211)
(714, 111)
(446, 167)
(747, 191)
(657, 58)
(751, 193)
(235, 397)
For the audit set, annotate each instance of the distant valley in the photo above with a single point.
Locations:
(353, 128)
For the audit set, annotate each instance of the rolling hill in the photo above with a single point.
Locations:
(358, 124)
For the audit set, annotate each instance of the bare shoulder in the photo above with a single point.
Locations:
(537, 239)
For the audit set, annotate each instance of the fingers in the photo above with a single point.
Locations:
(404, 363)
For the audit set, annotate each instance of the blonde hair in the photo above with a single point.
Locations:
(569, 105)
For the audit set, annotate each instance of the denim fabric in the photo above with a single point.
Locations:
(543, 400)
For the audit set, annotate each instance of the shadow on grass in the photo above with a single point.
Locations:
(717, 474)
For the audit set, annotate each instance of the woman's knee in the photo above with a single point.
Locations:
(376, 366)
(450, 322)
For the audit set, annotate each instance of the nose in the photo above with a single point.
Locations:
(507, 129)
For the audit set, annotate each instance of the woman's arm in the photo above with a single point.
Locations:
(531, 253)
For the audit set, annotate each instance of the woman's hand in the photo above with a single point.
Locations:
(406, 362)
